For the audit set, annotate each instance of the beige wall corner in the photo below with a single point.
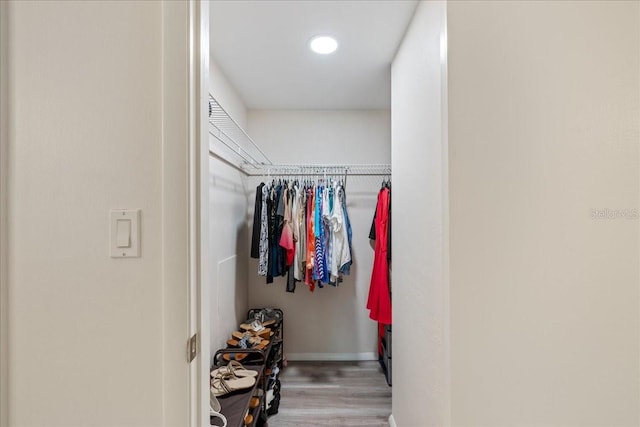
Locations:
(4, 371)
(420, 228)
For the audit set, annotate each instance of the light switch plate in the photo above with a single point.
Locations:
(121, 223)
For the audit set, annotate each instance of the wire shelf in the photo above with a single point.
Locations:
(236, 148)
(234, 141)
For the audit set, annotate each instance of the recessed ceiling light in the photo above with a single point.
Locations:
(323, 44)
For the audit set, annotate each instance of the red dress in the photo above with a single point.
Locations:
(379, 301)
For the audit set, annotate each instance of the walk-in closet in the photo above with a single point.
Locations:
(287, 123)
(134, 136)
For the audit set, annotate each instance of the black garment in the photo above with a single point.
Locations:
(271, 220)
(257, 223)
(281, 253)
(276, 222)
(372, 231)
(389, 227)
(291, 281)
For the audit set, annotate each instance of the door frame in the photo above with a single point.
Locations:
(4, 328)
(199, 265)
(184, 205)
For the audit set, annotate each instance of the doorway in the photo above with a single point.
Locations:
(265, 92)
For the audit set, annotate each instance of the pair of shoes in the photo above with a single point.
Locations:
(267, 316)
(241, 356)
(246, 341)
(234, 368)
(264, 334)
(256, 328)
(231, 378)
(259, 344)
(228, 383)
(273, 376)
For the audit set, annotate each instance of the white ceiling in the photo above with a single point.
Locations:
(262, 48)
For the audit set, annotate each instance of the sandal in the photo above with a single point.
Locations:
(253, 342)
(227, 383)
(267, 316)
(215, 408)
(248, 419)
(234, 368)
(218, 415)
(241, 356)
(245, 340)
(214, 403)
(234, 356)
(255, 326)
(264, 333)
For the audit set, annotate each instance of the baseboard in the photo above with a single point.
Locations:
(329, 357)
(392, 421)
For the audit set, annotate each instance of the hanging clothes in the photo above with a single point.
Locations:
(345, 269)
(264, 232)
(320, 261)
(327, 202)
(379, 300)
(302, 231)
(341, 253)
(372, 231)
(311, 239)
(286, 240)
(257, 213)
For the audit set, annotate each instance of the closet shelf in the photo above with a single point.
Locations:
(373, 169)
(236, 148)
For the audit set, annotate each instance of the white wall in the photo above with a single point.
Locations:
(543, 126)
(330, 323)
(228, 234)
(226, 94)
(420, 231)
(86, 332)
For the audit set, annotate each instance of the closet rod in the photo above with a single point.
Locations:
(276, 174)
(319, 169)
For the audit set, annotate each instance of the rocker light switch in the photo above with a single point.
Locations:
(125, 233)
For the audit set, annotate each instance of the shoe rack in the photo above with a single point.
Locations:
(251, 407)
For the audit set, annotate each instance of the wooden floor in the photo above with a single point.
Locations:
(333, 394)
